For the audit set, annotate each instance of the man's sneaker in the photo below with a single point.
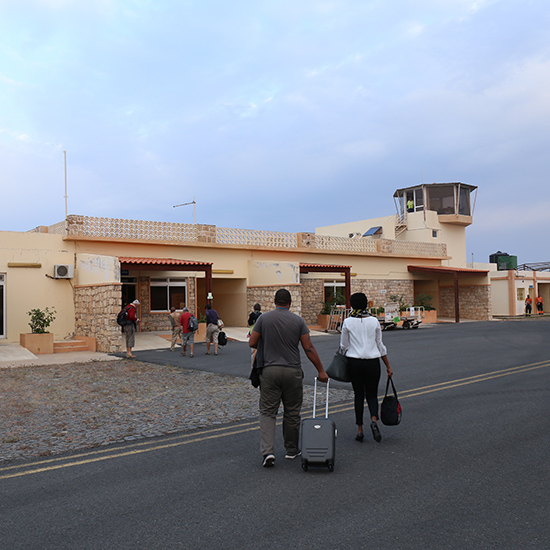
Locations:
(269, 461)
(291, 456)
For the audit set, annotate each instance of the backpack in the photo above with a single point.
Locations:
(193, 324)
(222, 338)
(122, 317)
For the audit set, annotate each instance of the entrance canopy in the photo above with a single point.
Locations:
(320, 268)
(455, 272)
(170, 264)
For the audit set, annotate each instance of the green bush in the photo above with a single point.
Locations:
(41, 320)
(424, 300)
(399, 300)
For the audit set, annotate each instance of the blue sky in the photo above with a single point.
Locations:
(281, 115)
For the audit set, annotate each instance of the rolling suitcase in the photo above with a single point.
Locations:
(318, 438)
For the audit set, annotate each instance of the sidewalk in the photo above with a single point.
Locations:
(14, 355)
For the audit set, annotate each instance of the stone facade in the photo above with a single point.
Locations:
(308, 297)
(96, 308)
(313, 295)
(264, 295)
(475, 302)
(378, 291)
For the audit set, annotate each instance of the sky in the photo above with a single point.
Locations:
(281, 115)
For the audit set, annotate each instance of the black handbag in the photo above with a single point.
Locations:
(390, 410)
(338, 367)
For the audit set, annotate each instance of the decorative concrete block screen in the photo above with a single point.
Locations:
(146, 231)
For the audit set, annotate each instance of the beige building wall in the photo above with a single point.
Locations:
(420, 228)
(510, 289)
(28, 260)
(361, 226)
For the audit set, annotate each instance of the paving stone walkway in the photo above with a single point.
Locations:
(51, 409)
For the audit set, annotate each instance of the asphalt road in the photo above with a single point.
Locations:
(466, 468)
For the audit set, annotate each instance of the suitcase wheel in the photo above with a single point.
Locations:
(304, 465)
(330, 466)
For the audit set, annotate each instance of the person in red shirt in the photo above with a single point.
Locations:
(187, 336)
(538, 302)
(129, 329)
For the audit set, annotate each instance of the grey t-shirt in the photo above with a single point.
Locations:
(280, 332)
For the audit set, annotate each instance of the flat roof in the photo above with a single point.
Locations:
(466, 185)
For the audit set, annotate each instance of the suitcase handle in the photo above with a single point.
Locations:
(315, 398)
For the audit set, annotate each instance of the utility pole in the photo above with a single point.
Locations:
(186, 204)
(66, 197)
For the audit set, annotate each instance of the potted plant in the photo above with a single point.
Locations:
(430, 313)
(324, 315)
(200, 335)
(39, 341)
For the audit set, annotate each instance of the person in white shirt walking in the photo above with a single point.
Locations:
(361, 340)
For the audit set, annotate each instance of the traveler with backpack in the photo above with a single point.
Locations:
(129, 327)
(189, 325)
(212, 329)
(174, 318)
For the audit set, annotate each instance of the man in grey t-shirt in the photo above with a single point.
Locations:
(280, 333)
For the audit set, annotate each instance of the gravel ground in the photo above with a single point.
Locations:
(47, 410)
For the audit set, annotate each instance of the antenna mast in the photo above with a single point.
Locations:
(186, 204)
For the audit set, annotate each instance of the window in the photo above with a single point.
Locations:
(335, 292)
(434, 233)
(441, 199)
(2, 305)
(521, 294)
(167, 293)
(419, 199)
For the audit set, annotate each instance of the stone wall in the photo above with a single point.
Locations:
(474, 302)
(378, 291)
(313, 295)
(96, 309)
(264, 295)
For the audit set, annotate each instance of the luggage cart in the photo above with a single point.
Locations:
(411, 318)
(337, 315)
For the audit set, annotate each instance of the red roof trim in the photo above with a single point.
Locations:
(327, 265)
(445, 269)
(161, 261)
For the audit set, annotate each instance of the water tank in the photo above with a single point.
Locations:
(503, 260)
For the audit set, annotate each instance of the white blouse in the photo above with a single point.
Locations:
(361, 338)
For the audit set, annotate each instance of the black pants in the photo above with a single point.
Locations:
(365, 376)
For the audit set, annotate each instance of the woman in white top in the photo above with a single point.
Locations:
(361, 341)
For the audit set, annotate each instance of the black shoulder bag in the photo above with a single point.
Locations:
(390, 410)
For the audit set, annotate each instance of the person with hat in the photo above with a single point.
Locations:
(129, 328)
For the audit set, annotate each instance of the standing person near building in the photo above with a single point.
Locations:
(361, 339)
(280, 332)
(253, 317)
(212, 330)
(129, 329)
(528, 306)
(410, 205)
(174, 317)
(540, 305)
(187, 336)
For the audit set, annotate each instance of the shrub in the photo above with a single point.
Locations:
(41, 320)
(424, 300)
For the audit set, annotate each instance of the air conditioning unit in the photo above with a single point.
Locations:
(63, 271)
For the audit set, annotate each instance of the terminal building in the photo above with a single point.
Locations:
(88, 267)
